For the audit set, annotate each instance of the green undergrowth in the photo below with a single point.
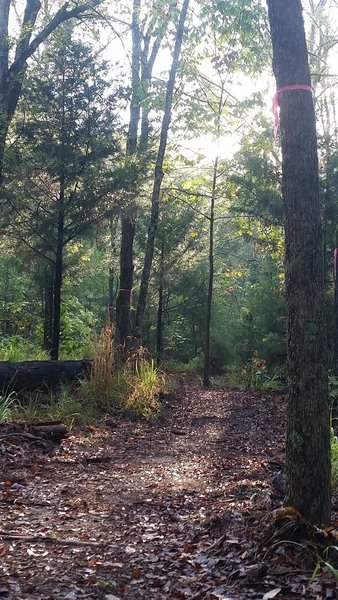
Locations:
(255, 375)
(62, 405)
(334, 460)
(333, 396)
(17, 349)
(194, 365)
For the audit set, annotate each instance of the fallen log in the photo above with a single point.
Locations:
(53, 430)
(40, 374)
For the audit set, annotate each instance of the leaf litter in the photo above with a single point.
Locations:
(141, 511)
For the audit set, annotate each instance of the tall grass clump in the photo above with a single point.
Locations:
(144, 385)
(98, 389)
(8, 405)
(129, 385)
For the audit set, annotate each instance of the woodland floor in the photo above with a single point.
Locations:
(180, 508)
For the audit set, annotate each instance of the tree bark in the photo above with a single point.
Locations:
(111, 276)
(48, 295)
(335, 308)
(147, 66)
(308, 428)
(58, 275)
(160, 320)
(4, 16)
(60, 241)
(123, 304)
(158, 174)
(334, 407)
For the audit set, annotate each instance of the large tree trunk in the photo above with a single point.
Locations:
(335, 308)
(308, 428)
(334, 407)
(158, 174)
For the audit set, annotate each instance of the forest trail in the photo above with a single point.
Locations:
(139, 505)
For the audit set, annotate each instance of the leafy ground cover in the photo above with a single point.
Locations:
(185, 507)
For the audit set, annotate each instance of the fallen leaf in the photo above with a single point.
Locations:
(137, 573)
(271, 593)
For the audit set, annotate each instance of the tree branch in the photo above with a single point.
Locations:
(60, 17)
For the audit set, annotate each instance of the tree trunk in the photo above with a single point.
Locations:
(111, 276)
(158, 174)
(334, 407)
(58, 272)
(4, 47)
(123, 304)
(308, 428)
(335, 308)
(160, 323)
(206, 369)
(146, 75)
(48, 294)
(141, 74)
(58, 275)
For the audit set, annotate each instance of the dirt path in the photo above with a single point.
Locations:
(144, 502)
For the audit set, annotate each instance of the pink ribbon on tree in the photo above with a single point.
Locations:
(275, 103)
(130, 292)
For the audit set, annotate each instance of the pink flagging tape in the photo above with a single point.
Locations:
(335, 258)
(130, 292)
(275, 103)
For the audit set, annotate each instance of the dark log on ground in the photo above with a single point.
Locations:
(54, 431)
(33, 375)
(40, 432)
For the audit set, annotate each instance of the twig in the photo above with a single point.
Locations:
(24, 435)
